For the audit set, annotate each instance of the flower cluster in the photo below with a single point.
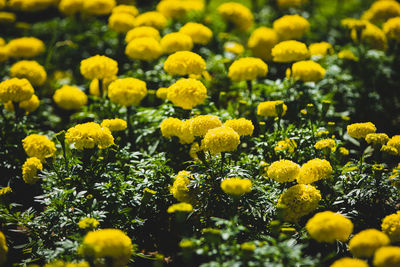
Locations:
(30, 168)
(184, 63)
(261, 42)
(15, 90)
(377, 138)
(70, 97)
(199, 33)
(176, 41)
(299, 200)
(104, 243)
(121, 22)
(142, 31)
(360, 130)
(30, 70)
(349, 262)
(152, 19)
(247, 69)
(269, 108)
(391, 226)
(314, 170)
(127, 91)
(291, 27)
(236, 186)
(114, 125)
(320, 49)
(289, 51)
(200, 125)
(242, 126)
(307, 71)
(187, 93)
(180, 207)
(237, 14)
(392, 29)
(25, 47)
(283, 171)
(39, 146)
(221, 139)
(98, 7)
(98, 67)
(324, 144)
(89, 135)
(179, 188)
(366, 242)
(328, 227)
(143, 48)
(387, 256)
(174, 127)
(88, 223)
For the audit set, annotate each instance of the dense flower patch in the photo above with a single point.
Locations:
(199, 133)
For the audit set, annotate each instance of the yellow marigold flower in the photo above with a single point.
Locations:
(388, 256)
(112, 243)
(187, 93)
(3, 53)
(70, 97)
(70, 7)
(199, 33)
(194, 149)
(392, 29)
(347, 54)
(391, 226)
(389, 150)
(287, 144)
(142, 31)
(200, 125)
(30, 169)
(298, 201)
(236, 186)
(94, 85)
(307, 71)
(184, 63)
(351, 23)
(5, 191)
(30, 6)
(314, 170)
(3, 248)
(31, 70)
(328, 227)
(127, 91)
(372, 36)
(180, 207)
(25, 47)
(15, 90)
(30, 105)
(184, 134)
(88, 135)
(234, 48)
(237, 14)
(382, 10)
(39, 146)
(2, 4)
(394, 142)
(114, 125)
(268, 108)
(176, 41)
(98, 67)
(144, 48)
(121, 22)
(98, 7)
(126, 9)
(364, 244)
(320, 49)
(162, 93)
(7, 18)
(221, 139)
(291, 27)
(284, 4)
(170, 127)
(283, 171)
(88, 223)
(247, 69)
(179, 188)
(261, 42)
(288, 51)
(344, 151)
(326, 144)
(152, 18)
(242, 126)
(377, 138)
(349, 262)
(360, 130)
(173, 9)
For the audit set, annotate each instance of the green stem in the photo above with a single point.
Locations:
(222, 163)
(250, 91)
